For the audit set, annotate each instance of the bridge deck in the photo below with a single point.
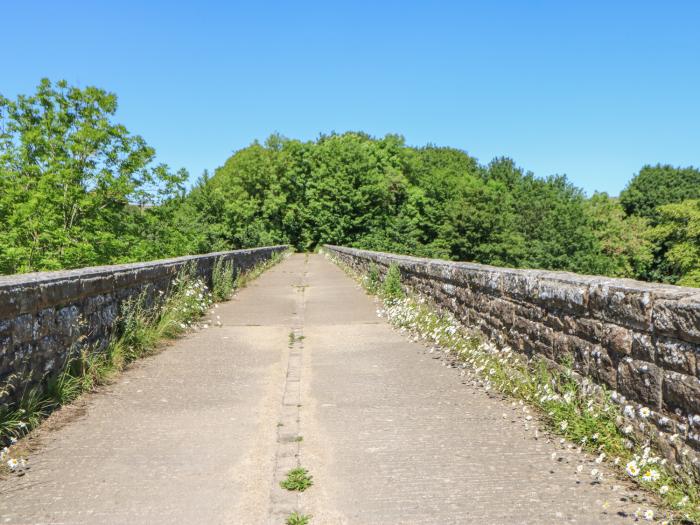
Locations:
(203, 432)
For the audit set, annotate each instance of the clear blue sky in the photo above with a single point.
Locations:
(590, 89)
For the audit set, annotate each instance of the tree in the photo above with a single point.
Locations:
(678, 236)
(68, 177)
(626, 249)
(657, 185)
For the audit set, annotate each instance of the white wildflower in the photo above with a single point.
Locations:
(650, 475)
(632, 468)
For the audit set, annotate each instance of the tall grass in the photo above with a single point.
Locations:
(223, 280)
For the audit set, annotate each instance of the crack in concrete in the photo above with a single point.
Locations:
(288, 453)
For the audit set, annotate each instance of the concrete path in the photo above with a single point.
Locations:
(204, 431)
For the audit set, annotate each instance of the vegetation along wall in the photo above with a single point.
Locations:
(640, 339)
(45, 317)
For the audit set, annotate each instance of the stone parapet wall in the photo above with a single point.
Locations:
(640, 339)
(44, 316)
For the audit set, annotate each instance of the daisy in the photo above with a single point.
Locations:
(632, 468)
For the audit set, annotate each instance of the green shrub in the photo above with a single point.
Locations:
(373, 279)
(391, 289)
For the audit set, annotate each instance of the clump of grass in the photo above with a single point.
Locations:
(297, 519)
(223, 279)
(299, 439)
(391, 288)
(297, 479)
(293, 339)
(568, 404)
(372, 281)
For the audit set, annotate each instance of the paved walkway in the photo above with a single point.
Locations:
(204, 431)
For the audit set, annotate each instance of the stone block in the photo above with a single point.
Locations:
(678, 318)
(23, 328)
(94, 304)
(96, 285)
(617, 340)
(58, 292)
(592, 330)
(640, 381)
(643, 347)
(556, 292)
(676, 355)
(623, 302)
(67, 320)
(9, 306)
(602, 367)
(682, 392)
(520, 284)
(44, 323)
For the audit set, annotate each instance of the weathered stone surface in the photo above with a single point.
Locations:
(641, 381)
(681, 392)
(617, 340)
(44, 323)
(602, 368)
(678, 318)
(643, 347)
(22, 328)
(676, 355)
(45, 315)
(622, 301)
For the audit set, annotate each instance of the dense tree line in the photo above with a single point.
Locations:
(77, 189)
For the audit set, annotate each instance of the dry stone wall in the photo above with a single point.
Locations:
(46, 316)
(640, 339)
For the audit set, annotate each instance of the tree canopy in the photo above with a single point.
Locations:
(68, 176)
(77, 189)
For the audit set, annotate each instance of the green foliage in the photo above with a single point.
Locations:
(677, 234)
(657, 185)
(625, 247)
(391, 288)
(297, 479)
(77, 189)
(372, 279)
(298, 519)
(73, 184)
